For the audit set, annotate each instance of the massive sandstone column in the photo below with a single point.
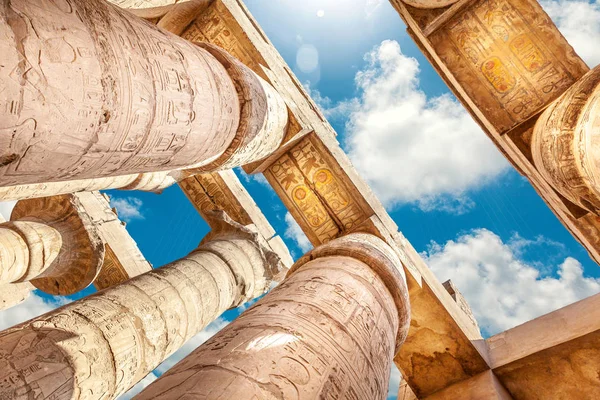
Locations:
(566, 143)
(100, 346)
(51, 243)
(90, 91)
(329, 331)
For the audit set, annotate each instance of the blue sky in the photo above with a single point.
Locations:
(452, 194)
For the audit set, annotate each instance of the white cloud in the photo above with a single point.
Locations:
(128, 208)
(411, 148)
(33, 307)
(192, 344)
(294, 232)
(6, 208)
(141, 385)
(502, 289)
(579, 22)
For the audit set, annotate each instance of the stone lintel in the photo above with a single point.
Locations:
(483, 386)
(555, 356)
(223, 191)
(123, 259)
(405, 392)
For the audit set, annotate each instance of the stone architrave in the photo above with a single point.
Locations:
(92, 91)
(565, 143)
(100, 346)
(123, 259)
(329, 330)
(51, 243)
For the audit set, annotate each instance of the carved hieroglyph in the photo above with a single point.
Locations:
(312, 187)
(508, 57)
(329, 331)
(92, 91)
(565, 143)
(100, 346)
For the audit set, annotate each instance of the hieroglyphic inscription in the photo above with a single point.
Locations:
(112, 271)
(327, 332)
(105, 343)
(565, 142)
(216, 26)
(90, 95)
(509, 58)
(209, 192)
(309, 182)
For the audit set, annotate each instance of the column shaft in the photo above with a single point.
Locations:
(93, 91)
(100, 346)
(149, 182)
(330, 330)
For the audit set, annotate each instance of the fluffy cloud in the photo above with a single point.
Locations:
(503, 289)
(128, 208)
(294, 232)
(33, 307)
(412, 148)
(192, 344)
(579, 22)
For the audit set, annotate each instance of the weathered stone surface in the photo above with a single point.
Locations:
(12, 294)
(133, 102)
(58, 242)
(100, 346)
(27, 249)
(483, 386)
(150, 182)
(123, 259)
(565, 143)
(328, 331)
(555, 356)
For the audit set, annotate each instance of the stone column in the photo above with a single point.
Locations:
(329, 331)
(566, 142)
(91, 91)
(51, 243)
(100, 346)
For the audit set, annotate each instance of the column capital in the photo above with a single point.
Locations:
(81, 252)
(267, 267)
(381, 258)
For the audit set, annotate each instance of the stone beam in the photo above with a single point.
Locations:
(506, 62)
(123, 259)
(329, 330)
(483, 386)
(328, 199)
(147, 101)
(555, 356)
(105, 343)
(223, 191)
